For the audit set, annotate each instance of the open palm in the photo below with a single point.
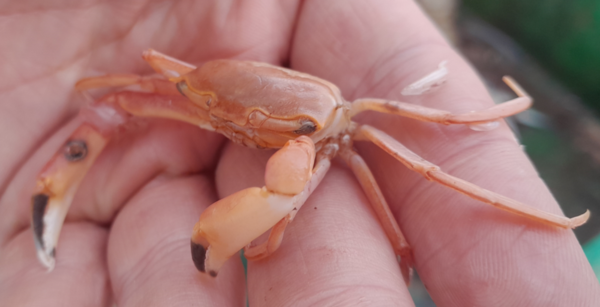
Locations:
(126, 238)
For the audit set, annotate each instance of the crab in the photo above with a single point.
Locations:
(267, 107)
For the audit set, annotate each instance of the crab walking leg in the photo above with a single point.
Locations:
(433, 173)
(163, 64)
(166, 65)
(154, 83)
(162, 106)
(421, 113)
(382, 210)
(233, 222)
(263, 250)
(276, 236)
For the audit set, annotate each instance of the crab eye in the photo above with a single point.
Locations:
(307, 127)
(181, 87)
(202, 99)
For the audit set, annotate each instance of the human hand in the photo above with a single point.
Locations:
(151, 184)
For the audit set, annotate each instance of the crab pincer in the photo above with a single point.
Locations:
(233, 222)
(58, 181)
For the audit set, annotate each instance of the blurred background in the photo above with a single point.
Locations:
(552, 48)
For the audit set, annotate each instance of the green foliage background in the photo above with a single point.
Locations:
(564, 35)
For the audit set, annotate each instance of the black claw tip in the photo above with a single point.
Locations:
(212, 273)
(199, 255)
(40, 202)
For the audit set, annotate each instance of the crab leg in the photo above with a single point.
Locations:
(421, 113)
(168, 66)
(432, 172)
(382, 210)
(155, 83)
(163, 64)
(263, 250)
(232, 223)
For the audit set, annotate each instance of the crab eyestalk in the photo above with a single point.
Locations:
(232, 223)
(56, 187)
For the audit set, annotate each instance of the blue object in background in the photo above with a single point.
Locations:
(592, 251)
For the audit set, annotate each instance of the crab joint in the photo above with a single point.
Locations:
(56, 187)
(233, 222)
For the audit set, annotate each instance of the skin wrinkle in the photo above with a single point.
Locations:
(36, 276)
(243, 54)
(5, 182)
(489, 271)
(385, 62)
(286, 56)
(162, 249)
(344, 296)
(120, 38)
(468, 249)
(458, 156)
(489, 281)
(159, 167)
(376, 65)
(304, 263)
(423, 260)
(523, 231)
(140, 20)
(163, 22)
(83, 5)
(325, 278)
(52, 73)
(373, 70)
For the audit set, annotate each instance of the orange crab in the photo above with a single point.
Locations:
(262, 106)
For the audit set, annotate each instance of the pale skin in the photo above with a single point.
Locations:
(467, 253)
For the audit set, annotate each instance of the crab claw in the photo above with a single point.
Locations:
(232, 223)
(56, 186)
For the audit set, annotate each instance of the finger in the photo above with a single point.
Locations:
(83, 281)
(149, 249)
(333, 253)
(375, 49)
